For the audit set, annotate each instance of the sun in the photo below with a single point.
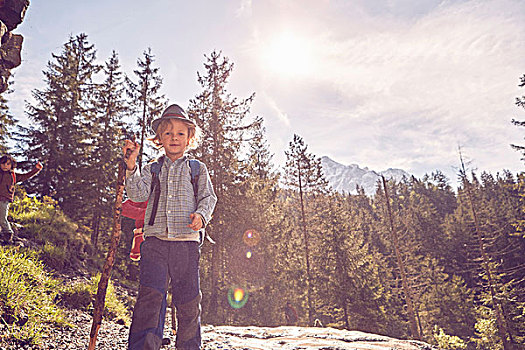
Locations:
(289, 54)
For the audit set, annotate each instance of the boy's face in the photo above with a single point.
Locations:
(175, 139)
(6, 166)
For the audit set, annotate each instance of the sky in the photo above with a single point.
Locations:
(382, 84)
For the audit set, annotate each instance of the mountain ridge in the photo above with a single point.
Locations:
(346, 178)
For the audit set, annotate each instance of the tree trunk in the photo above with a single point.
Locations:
(306, 248)
(414, 330)
(500, 321)
(144, 120)
(95, 228)
(216, 253)
(485, 262)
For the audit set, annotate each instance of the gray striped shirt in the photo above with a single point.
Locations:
(177, 200)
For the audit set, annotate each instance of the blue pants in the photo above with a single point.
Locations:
(160, 261)
(7, 231)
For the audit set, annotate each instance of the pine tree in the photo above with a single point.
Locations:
(423, 207)
(520, 102)
(61, 124)
(304, 176)
(258, 215)
(431, 200)
(146, 101)
(111, 108)
(488, 255)
(415, 248)
(225, 124)
(6, 122)
(402, 266)
(446, 303)
(353, 295)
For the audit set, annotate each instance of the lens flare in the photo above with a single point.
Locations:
(251, 237)
(248, 254)
(237, 297)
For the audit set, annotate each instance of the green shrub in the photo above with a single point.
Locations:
(446, 341)
(27, 296)
(486, 337)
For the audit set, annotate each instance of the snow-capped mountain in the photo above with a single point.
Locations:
(344, 178)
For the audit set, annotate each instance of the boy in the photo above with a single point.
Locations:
(171, 248)
(8, 179)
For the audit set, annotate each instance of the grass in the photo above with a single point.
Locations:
(32, 302)
(80, 295)
(64, 243)
(27, 296)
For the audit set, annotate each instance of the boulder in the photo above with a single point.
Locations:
(10, 51)
(12, 13)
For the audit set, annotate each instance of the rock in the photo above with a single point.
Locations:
(307, 338)
(3, 30)
(10, 52)
(12, 13)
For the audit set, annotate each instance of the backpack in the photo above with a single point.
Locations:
(155, 183)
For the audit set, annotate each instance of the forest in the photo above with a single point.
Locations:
(419, 259)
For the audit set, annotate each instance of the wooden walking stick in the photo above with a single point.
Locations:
(100, 299)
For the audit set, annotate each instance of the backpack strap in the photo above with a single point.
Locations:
(155, 188)
(195, 170)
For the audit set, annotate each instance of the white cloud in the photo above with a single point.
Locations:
(406, 91)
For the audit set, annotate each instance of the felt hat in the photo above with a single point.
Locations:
(173, 111)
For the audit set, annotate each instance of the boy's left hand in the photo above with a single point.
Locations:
(196, 222)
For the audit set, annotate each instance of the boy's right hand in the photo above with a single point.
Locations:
(131, 159)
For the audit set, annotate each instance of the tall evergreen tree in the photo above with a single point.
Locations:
(488, 255)
(430, 201)
(423, 206)
(254, 256)
(304, 175)
(6, 122)
(520, 102)
(146, 101)
(353, 295)
(402, 267)
(111, 107)
(413, 241)
(225, 123)
(61, 124)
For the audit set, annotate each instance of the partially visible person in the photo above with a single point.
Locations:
(8, 179)
(132, 226)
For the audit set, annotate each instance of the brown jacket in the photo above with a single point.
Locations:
(8, 179)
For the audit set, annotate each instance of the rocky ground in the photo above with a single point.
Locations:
(113, 336)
